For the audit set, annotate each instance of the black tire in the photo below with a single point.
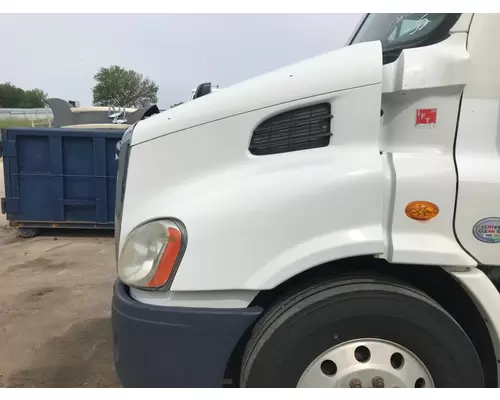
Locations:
(28, 233)
(300, 328)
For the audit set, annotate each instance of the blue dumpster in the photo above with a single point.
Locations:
(59, 178)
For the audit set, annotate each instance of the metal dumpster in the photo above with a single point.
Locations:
(59, 178)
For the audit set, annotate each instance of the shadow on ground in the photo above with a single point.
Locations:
(76, 233)
(82, 357)
(55, 234)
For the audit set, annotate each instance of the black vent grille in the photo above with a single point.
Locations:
(300, 129)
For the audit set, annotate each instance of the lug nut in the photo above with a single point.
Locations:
(355, 383)
(378, 382)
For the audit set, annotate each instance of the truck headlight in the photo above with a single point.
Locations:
(151, 254)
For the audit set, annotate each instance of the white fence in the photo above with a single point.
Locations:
(27, 114)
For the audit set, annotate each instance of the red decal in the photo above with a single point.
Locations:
(426, 116)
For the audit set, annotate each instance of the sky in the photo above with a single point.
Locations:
(60, 53)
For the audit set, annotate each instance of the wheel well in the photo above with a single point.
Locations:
(432, 280)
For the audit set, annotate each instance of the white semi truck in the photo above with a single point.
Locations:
(334, 223)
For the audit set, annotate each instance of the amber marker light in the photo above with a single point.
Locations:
(421, 210)
(168, 258)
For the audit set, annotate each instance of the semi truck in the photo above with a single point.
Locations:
(333, 223)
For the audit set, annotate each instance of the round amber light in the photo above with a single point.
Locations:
(421, 210)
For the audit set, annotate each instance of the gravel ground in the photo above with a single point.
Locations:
(55, 295)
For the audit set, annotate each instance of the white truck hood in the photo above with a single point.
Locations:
(349, 67)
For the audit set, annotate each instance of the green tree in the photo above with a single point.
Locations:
(12, 96)
(117, 86)
(35, 98)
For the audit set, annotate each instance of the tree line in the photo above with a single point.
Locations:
(12, 96)
(115, 86)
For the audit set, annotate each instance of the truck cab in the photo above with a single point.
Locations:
(333, 223)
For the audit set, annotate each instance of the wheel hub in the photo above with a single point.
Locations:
(367, 363)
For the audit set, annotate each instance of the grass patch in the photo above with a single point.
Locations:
(12, 123)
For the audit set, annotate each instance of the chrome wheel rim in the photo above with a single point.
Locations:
(367, 363)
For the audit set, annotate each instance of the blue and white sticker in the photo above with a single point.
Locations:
(487, 230)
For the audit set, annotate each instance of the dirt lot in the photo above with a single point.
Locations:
(55, 294)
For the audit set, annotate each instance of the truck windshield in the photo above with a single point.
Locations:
(399, 31)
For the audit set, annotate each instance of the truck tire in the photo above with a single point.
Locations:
(28, 233)
(359, 333)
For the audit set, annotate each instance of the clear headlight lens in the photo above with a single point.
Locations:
(150, 254)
